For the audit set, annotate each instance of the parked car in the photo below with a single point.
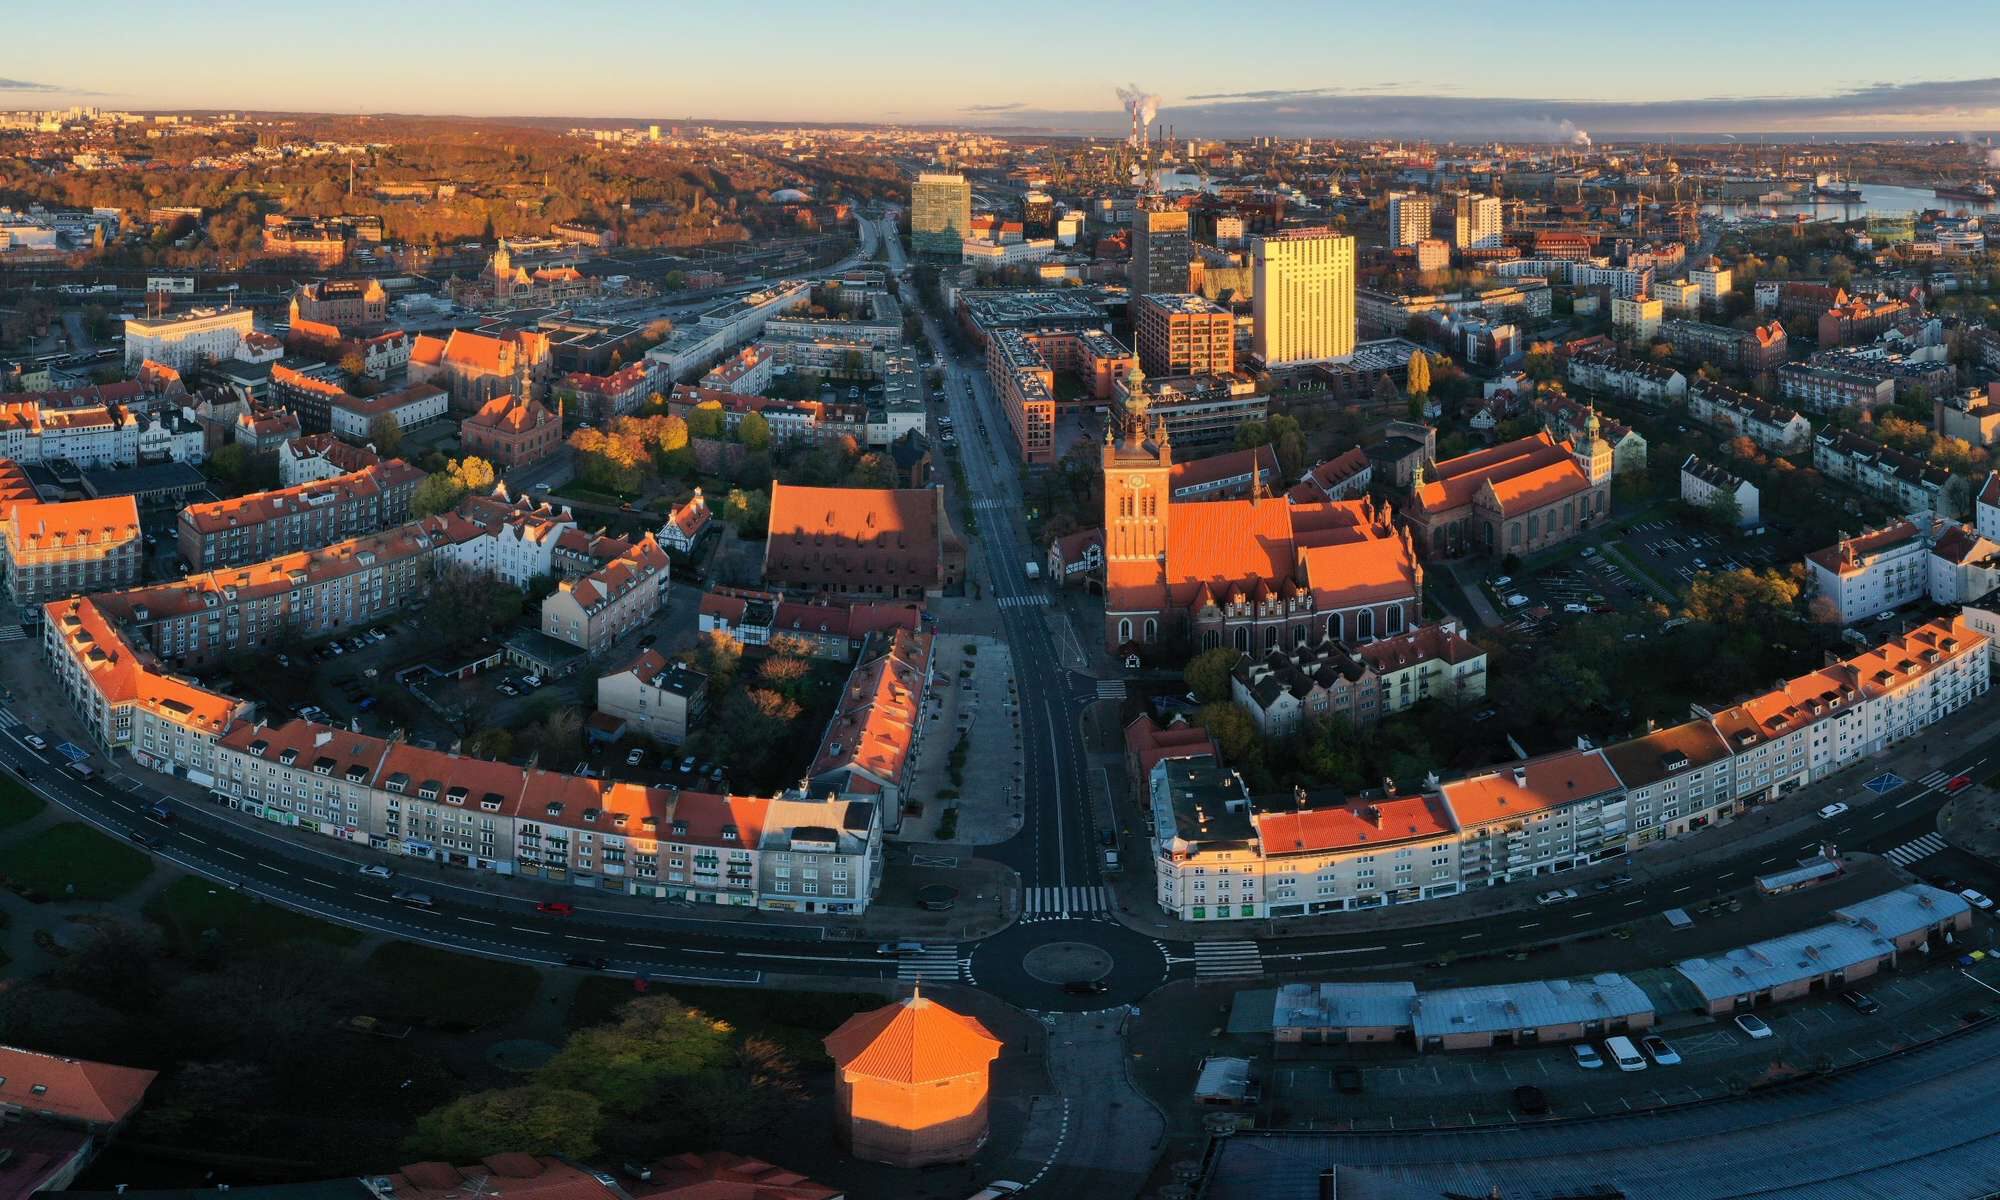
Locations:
(1829, 812)
(555, 908)
(1086, 987)
(1587, 1056)
(687, 765)
(507, 689)
(374, 871)
(636, 757)
(35, 742)
(1624, 1053)
(1558, 896)
(414, 899)
(141, 838)
(1860, 1002)
(161, 811)
(1753, 1025)
(1976, 899)
(1576, 608)
(1656, 1048)
(587, 962)
(898, 949)
(1957, 784)
(1615, 881)
(1530, 1101)
(1516, 600)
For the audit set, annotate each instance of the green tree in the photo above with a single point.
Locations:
(1207, 674)
(1232, 729)
(627, 1063)
(705, 420)
(1724, 510)
(532, 1119)
(230, 463)
(385, 433)
(754, 431)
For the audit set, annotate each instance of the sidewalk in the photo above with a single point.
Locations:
(1778, 828)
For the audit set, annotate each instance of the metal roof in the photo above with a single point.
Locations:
(1532, 1005)
(1343, 1005)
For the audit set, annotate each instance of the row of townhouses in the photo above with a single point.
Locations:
(1220, 853)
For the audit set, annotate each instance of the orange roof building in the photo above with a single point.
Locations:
(62, 549)
(720, 1175)
(1515, 498)
(93, 1094)
(509, 431)
(880, 542)
(911, 1083)
(1250, 573)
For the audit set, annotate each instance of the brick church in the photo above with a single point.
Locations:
(1251, 573)
(1515, 498)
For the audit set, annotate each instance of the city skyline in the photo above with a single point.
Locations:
(1315, 81)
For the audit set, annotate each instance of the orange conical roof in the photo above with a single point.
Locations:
(912, 1041)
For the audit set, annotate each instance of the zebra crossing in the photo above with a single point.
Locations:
(1043, 903)
(991, 505)
(1110, 689)
(934, 963)
(13, 633)
(1920, 848)
(1933, 779)
(1032, 600)
(1221, 960)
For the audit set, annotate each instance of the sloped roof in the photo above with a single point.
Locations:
(854, 536)
(720, 1175)
(72, 1088)
(915, 1040)
(1550, 781)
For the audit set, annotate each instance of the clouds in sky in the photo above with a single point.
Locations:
(1388, 111)
(23, 85)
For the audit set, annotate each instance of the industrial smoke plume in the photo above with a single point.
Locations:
(1143, 106)
(1577, 137)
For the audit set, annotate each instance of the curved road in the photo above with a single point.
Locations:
(1068, 934)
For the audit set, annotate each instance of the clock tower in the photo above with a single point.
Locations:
(1137, 466)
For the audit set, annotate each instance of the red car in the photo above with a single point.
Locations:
(1957, 784)
(554, 908)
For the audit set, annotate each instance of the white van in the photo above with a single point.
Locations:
(1622, 1052)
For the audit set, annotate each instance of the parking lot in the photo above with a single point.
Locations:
(1401, 1089)
(1675, 552)
(1583, 584)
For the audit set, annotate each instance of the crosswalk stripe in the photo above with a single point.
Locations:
(937, 962)
(1036, 600)
(1110, 689)
(1934, 778)
(1214, 960)
(1054, 901)
(1918, 848)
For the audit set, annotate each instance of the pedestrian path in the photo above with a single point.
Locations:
(1042, 903)
(935, 963)
(1110, 689)
(1033, 600)
(1933, 779)
(1221, 960)
(1912, 851)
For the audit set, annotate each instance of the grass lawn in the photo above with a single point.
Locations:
(795, 1020)
(73, 854)
(17, 803)
(193, 906)
(436, 987)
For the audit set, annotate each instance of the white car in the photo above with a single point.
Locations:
(1979, 900)
(1754, 1026)
(1656, 1048)
(35, 742)
(374, 871)
(635, 758)
(1558, 896)
(1516, 600)
(1832, 810)
(1576, 608)
(1587, 1056)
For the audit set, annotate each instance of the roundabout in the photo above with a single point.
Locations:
(1057, 966)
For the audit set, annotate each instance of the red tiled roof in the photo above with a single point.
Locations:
(884, 537)
(1378, 823)
(75, 1089)
(1550, 781)
(1150, 743)
(916, 1040)
(720, 1175)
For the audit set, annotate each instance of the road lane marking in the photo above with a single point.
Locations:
(1409, 945)
(644, 946)
(318, 883)
(577, 937)
(1633, 903)
(1466, 937)
(229, 852)
(1532, 925)
(1679, 890)
(525, 929)
(1767, 862)
(274, 870)
(691, 950)
(474, 921)
(1321, 953)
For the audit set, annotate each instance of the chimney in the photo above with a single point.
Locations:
(1520, 777)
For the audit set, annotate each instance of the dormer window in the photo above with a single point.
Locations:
(456, 795)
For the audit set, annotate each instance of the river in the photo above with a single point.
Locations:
(1875, 197)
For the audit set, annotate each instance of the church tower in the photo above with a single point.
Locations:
(1592, 452)
(1137, 466)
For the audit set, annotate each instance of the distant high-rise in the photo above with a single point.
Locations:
(1038, 215)
(940, 213)
(1409, 218)
(1161, 251)
(1476, 222)
(1302, 296)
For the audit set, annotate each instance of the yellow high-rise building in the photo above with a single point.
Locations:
(1302, 297)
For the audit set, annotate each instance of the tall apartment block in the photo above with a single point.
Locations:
(1184, 335)
(1476, 221)
(1303, 296)
(940, 213)
(1409, 218)
(1161, 251)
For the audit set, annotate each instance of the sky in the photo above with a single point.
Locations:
(1333, 68)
